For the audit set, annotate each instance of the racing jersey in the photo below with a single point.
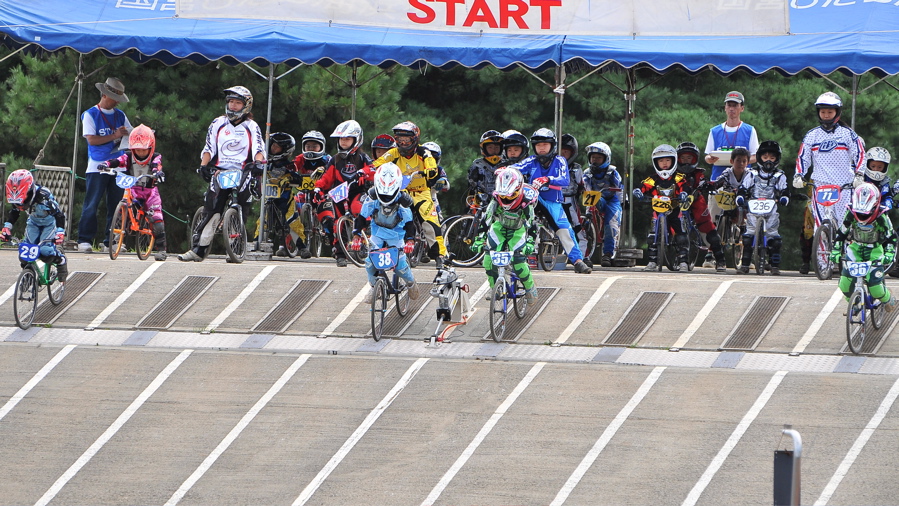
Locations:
(557, 172)
(43, 209)
(482, 175)
(231, 146)
(831, 157)
(421, 160)
(756, 186)
(609, 178)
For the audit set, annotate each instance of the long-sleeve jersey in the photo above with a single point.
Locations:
(832, 157)
(341, 170)
(756, 186)
(601, 182)
(43, 206)
(879, 232)
(728, 178)
(482, 175)
(232, 146)
(557, 173)
(652, 186)
(421, 160)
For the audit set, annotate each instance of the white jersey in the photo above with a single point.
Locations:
(762, 188)
(231, 146)
(832, 157)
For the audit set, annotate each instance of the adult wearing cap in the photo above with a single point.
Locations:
(103, 126)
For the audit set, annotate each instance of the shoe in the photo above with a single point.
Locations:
(651, 266)
(709, 262)
(371, 295)
(413, 291)
(890, 305)
(305, 253)
(341, 262)
(190, 256)
(62, 272)
(743, 269)
(439, 262)
(683, 267)
(605, 261)
(425, 259)
(775, 271)
(84, 247)
(581, 268)
(803, 269)
(721, 266)
(531, 295)
(104, 249)
(588, 262)
(160, 256)
(282, 252)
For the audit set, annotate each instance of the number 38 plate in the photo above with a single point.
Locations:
(384, 258)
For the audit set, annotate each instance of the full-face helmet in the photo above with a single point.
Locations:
(544, 135)
(286, 145)
(877, 154)
(410, 134)
(600, 148)
(388, 183)
(768, 167)
(491, 137)
(569, 141)
(515, 138)
(434, 148)
(829, 100)
(349, 128)
(242, 94)
(314, 136)
(383, 141)
(865, 204)
(507, 192)
(142, 137)
(19, 186)
(683, 149)
(664, 151)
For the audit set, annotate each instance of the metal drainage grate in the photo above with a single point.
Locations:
(176, 302)
(77, 285)
(876, 337)
(638, 318)
(291, 306)
(394, 324)
(754, 323)
(515, 326)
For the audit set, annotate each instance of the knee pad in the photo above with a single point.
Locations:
(774, 244)
(748, 241)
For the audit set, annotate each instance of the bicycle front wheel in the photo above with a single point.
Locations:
(235, 234)
(344, 229)
(498, 311)
(736, 241)
(758, 249)
(145, 239)
(312, 229)
(25, 298)
(402, 297)
(55, 289)
(822, 243)
(378, 308)
(118, 230)
(520, 302)
(458, 238)
(591, 235)
(695, 248)
(855, 322)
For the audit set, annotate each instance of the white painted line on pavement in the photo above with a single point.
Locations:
(485, 430)
(734, 438)
(818, 322)
(360, 431)
(244, 294)
(582, 314)
(140, 280)
(859, 444)
(702, 315)
(11, 403)
(606, 436)
(241, 425)
(8, 293)
(479, 293)
(343, 315)
(107, 435)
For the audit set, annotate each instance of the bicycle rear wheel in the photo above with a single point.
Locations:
(344, 230)
(195, 225)
(25, 298)
(822, 243)
(235, 234)
(378, 308)
(498, 310)
(312, 229)
(55, 289)
(458, 238)
(520, 303)
(877, 315)
(118, 230)
(145, 239)
(402, 297)
(855, 322)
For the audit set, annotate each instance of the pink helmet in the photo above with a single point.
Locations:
(18, 187)
(142, 138)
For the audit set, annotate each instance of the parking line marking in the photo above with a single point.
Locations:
(241, 425)
(360, 431)
(859, 444)
(582, 314)
(107, 435)
(140, 280)
(485, 430)
(38, 376)
(244, 294)
(606, 436)
(345, 313)
(734, 438)
(702, 315)
(818, 322)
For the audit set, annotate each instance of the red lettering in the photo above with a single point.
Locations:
(428, 12)
(544, 6)
(507, 12)
(451, 10)
(480, 13)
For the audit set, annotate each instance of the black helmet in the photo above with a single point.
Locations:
(568, 141)
(687, 147)
(515, 138)
(768, 147)
(285, 142)
(491, 137)
(544, 135)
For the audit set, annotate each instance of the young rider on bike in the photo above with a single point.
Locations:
(45, 223)
(382, 144)
(141, 160)
(664, 161)
(509, 226)
(439, 185)
(768, 182)
(515, 148)
(601, 176)
(572, 193)
(282, 172)
(548, 173)
(868, 236)
(481, 173)
(687, 164)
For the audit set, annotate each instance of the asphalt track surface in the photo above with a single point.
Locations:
(207, 411)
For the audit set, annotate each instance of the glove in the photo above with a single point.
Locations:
(889, 255)
(102, 167)
(160, 176)
(704, 186)
(439, 186)
(317, 196)
(528, 247)
(60, 236)
(784, 200)
(741, 201)
(255, 168)
(540, 182)
(858, 179)
(682, 196)
(6, 233)
(478, 243)
(409, 247)
(205, 171)
(356, 245)
(835, 255)
(798, 182)
(638, 194)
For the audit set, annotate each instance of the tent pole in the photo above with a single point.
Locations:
(559, 91)
(355, 86)
(854, 94)
(630, 97)
(71, 208)
(268, 128)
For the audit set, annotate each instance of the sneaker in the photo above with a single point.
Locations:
(709, 262)
(190, 256)
(891, 305)
(84, 247)
(588, 262)
(282, 252)
(160, 256)
(651, 266)
(683, 267)
(803, 269)
(371, 295)
(581, 268)
(605, 261)
(413, 291)
(775, 271)
(341, 262)
(531, 295)
(721, 266)
(305, 253)
(743, 269)
(104, 249)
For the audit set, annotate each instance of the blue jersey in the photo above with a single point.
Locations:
(390, 230)
(602, 181)
(557, 172)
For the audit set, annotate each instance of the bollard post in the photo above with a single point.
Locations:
(787, 475)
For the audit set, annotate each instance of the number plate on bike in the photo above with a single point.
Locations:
(500, 258)
(125, 181)
(384, 258)
(529, 193)
(273, 191)
(29, 252)
(308, 184)
(228, 179)
(661, 204)
(761, 206)
(827, 195)
(858, 269)
(590, 198)
(340, 192)
(726, 200)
